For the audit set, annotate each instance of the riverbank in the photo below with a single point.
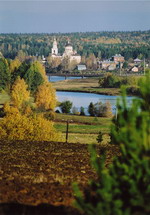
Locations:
(87, 85)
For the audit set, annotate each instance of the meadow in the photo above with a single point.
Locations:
(82, 129)
(88, 85)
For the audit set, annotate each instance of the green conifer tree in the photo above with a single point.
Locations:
(124, 187)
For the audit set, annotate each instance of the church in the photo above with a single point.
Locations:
(68, 53)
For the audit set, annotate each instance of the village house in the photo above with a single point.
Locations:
(134, 69)
(107, 65)
(81, 67)
(113, 63)
(137, 61)
(118, 58)
(112, 67)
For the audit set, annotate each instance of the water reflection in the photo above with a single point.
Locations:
(59, 78)
(84, 99)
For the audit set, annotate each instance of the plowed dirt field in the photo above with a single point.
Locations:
(35, 173)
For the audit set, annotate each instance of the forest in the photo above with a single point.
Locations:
(102, 44)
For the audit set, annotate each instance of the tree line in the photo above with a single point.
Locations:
(98, 109)
(32, 72)
(102, 44)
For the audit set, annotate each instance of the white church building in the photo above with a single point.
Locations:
(69, 52)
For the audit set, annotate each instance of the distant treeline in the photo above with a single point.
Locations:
(102, 44)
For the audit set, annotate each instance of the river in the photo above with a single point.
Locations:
(60, 78)
(83, 99)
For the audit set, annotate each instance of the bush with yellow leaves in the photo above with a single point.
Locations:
(15, 126)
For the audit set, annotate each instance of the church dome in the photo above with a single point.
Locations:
(68, 44)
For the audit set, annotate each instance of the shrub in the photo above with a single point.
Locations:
(50, 115)
(109, 80)
(133, 90)
(124, 188)
(75, 111)
(66, 106)
(100, 109)
(103, 109)
(82, 113)
(15, 126)
(99, 137)
(91, 109)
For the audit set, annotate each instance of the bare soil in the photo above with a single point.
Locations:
(37, 177)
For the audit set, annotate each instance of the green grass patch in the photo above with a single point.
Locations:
(80, 138)
(4, 97)
(84, 138)
(83, 119)
(82, 129)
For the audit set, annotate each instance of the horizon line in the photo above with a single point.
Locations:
(71, 32)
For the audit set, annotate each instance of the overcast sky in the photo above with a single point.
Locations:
(73, 16)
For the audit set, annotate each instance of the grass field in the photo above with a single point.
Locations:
(82, 129)
(83, 119)
(89, 85)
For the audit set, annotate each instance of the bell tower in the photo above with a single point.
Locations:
(55, 48)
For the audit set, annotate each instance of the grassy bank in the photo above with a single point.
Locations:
(82, 129)
(88, 85)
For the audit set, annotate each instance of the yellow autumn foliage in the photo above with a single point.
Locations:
(45, 97)
(27, 110)
(10, 110)
(106, 40)
(20, 94)
(32, 128)
(14, 65)
(41, 69)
